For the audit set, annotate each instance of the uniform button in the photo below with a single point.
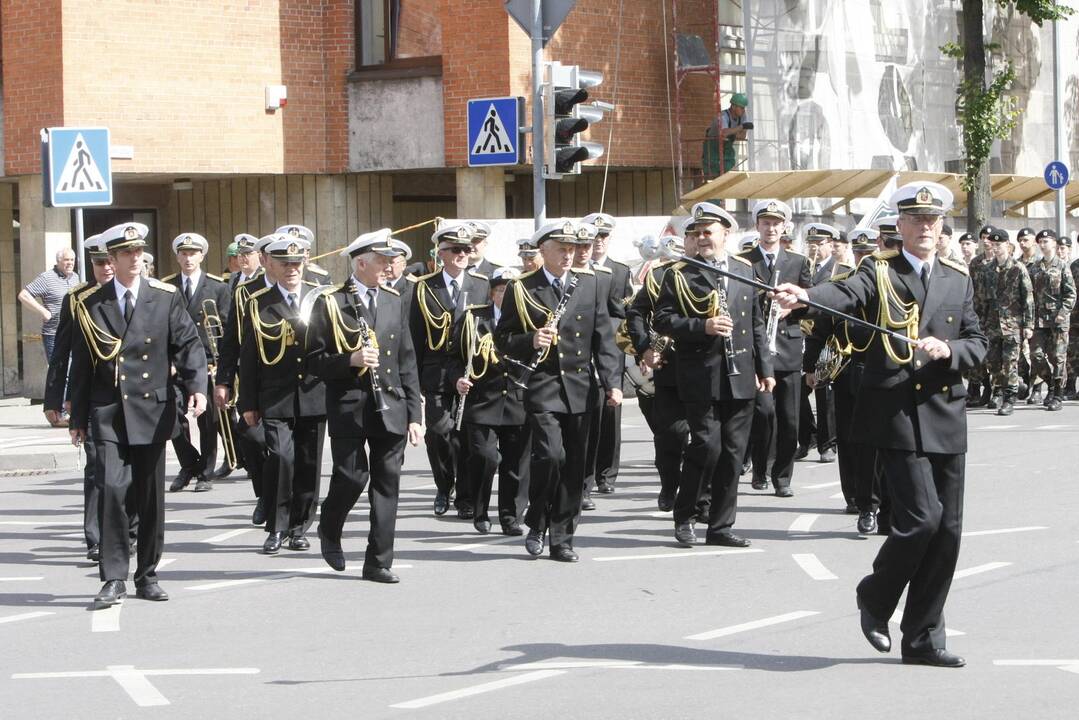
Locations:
(561, 355)
(576, 334)
(743, 313)
(391, 336)
(387, 352)
(145, 375)
(148, 340)
(125, 397)
(949, 318)
(580, 369)
(299, 360)
(505, 374)
(121, 358)
(578, 317)
(123, 377)
(944, 389)
(563, 372)
(917, 363)
(578, 352)
(504, 392)
(389, 369)
(918, 386)
(299, 377)
(743, 332)
(145, 357)
(146, 395)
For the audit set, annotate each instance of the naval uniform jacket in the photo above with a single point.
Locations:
(621, 289)
(210, 287)
(790, 267)
(919, 406)
(285, 389)
(494, 398)
(228, 351)
(433, 293)
(131, 399)
(640, 317)
(701, 368)
(350, 409)
(56, 378)
(561, 382)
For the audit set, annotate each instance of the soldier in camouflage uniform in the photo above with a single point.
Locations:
(1005, 303)
(1030, 388)
(1054, 298)
(977, 377)
(1073, 332)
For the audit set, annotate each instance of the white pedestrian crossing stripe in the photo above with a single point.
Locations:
(493, 138)
(80, 173)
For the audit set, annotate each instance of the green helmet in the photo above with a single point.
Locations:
(740, 100)
(231, 250)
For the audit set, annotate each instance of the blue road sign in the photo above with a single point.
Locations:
(1056, 175)
(494, 136)
(77, 167)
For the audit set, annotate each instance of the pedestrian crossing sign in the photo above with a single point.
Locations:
(494, 136)
(76, 167)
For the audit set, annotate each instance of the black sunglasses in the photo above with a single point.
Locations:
(457, 249)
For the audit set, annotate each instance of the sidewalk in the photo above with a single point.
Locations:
(28, 442)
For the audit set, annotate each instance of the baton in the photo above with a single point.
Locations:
(653, 249)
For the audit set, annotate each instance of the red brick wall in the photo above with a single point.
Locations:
(33, 82)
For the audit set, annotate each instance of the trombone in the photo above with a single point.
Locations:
(215, 330)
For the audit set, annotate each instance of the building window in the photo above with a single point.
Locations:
(398, 33)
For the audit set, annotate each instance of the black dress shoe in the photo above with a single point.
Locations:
(587, 503)
(851, 508)
(442, 503)
(222, 472)
(746, 466)
(482, 526)
(727, 540)
(534, 543)
(828, 456)
(883, 528)
(182, 480)
(937, 657)
(112, 593)
(93, 553)
(564, 554)
(875, 631)
(867, 523)
(380, 575)
(298, 542)
(684, 535)
(152, 592)
(702, 515)
(604, 488)
(511, 527)
(258, 517)
(204, 484)
(273, 543)
(803, 452)
(331, 552)
(760, 484)
(784, 492)
(466, 512)
(665, 502)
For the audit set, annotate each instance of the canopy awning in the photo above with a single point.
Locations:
(845, 186)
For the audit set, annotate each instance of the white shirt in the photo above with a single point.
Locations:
(362, 290)
(193, 278)
(551, 278)
(498, 314)
(602, 262)
(285, 293)
(917, 263)
(447, 278)
(121, 291)
(266, 279)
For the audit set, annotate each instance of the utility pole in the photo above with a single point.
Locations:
(539, 190)
(1060, 149)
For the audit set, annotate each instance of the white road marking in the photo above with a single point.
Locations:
(897, 619)
(687, 553)
(820, 486)
(802, 523)
(40, 523)
(282, 575)
(134, 681)
(19, 579)
(813, 567)
(614, 665)
(226, 583)
(24, 616)
(481, 543)
(978, 569)
(1035, 663)
(752, 625)
(998, 427)
(1004, 531)
(837, 496)
(106, 620)
(1054, 427)
(165, 563)
(229, 535)
(478, 689)
(72, 535)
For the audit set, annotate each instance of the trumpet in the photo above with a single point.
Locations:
(215, 330)
(376, 383)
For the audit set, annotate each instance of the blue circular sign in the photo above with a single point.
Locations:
(1056, 175)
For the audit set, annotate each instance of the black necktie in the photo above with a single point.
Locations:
(187, 289)
(771, 263)
(925, 276)
(557, 285)
(292, 301)
(129, 306)
(371, 301)
(453, 293)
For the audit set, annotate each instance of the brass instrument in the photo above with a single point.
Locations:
(832, 360)
(211, 323)
(368, 339)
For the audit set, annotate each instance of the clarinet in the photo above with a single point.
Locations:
(771, 329)
(376, 383)
(552, 324)
(728, 341)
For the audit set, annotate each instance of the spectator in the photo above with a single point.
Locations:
(47, 291)
(731, 125)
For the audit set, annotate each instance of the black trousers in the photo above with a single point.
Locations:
(556, 475)
(92, 487)
(203, 459)
(503, 448)
(807, 424)
(718, 433)
(666, 417)
(446, 450)
(775, 430)
(292, 473)
(920, 554)
(251, 443)
(351, 472)
(826, 421)
(138, 469)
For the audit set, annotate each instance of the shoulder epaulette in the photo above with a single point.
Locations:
(840, 276)
(428, 276)
(412, 278)
(955, 265)
(390, 290)
(259, 293)
(479, 275)
(167, 278)
(87, 292)
(215, 277)
(155, 283)
(583, 271)
(845, 265)
(617, 262)
(80, 286)
(227, 275)
(792, 252)
(739, 258)
(530, 273)
(317, 270)
(602, 268)
(864, 258)
(308, 282)
(745, 255)
(885, 254)
(680, 265)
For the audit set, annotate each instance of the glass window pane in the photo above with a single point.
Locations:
(418, 28)
(372, 32)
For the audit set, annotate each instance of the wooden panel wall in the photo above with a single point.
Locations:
(630, 193)
(337, 208)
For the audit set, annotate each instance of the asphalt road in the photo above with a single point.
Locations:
(638, 629)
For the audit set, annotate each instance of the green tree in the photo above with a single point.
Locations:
(985, 110)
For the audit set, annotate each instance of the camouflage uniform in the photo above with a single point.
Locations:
(1073, 333)
(1004, 301)
(1054, 298)
(977, 267)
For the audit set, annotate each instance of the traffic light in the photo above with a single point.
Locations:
(565, 116)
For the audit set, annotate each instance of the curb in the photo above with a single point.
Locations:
(36, 462)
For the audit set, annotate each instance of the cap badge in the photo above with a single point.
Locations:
(293, 249)
(462, 233)
(294, 231)
(131, 233)
(567, 229)
(772, 207)
(924, 197)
